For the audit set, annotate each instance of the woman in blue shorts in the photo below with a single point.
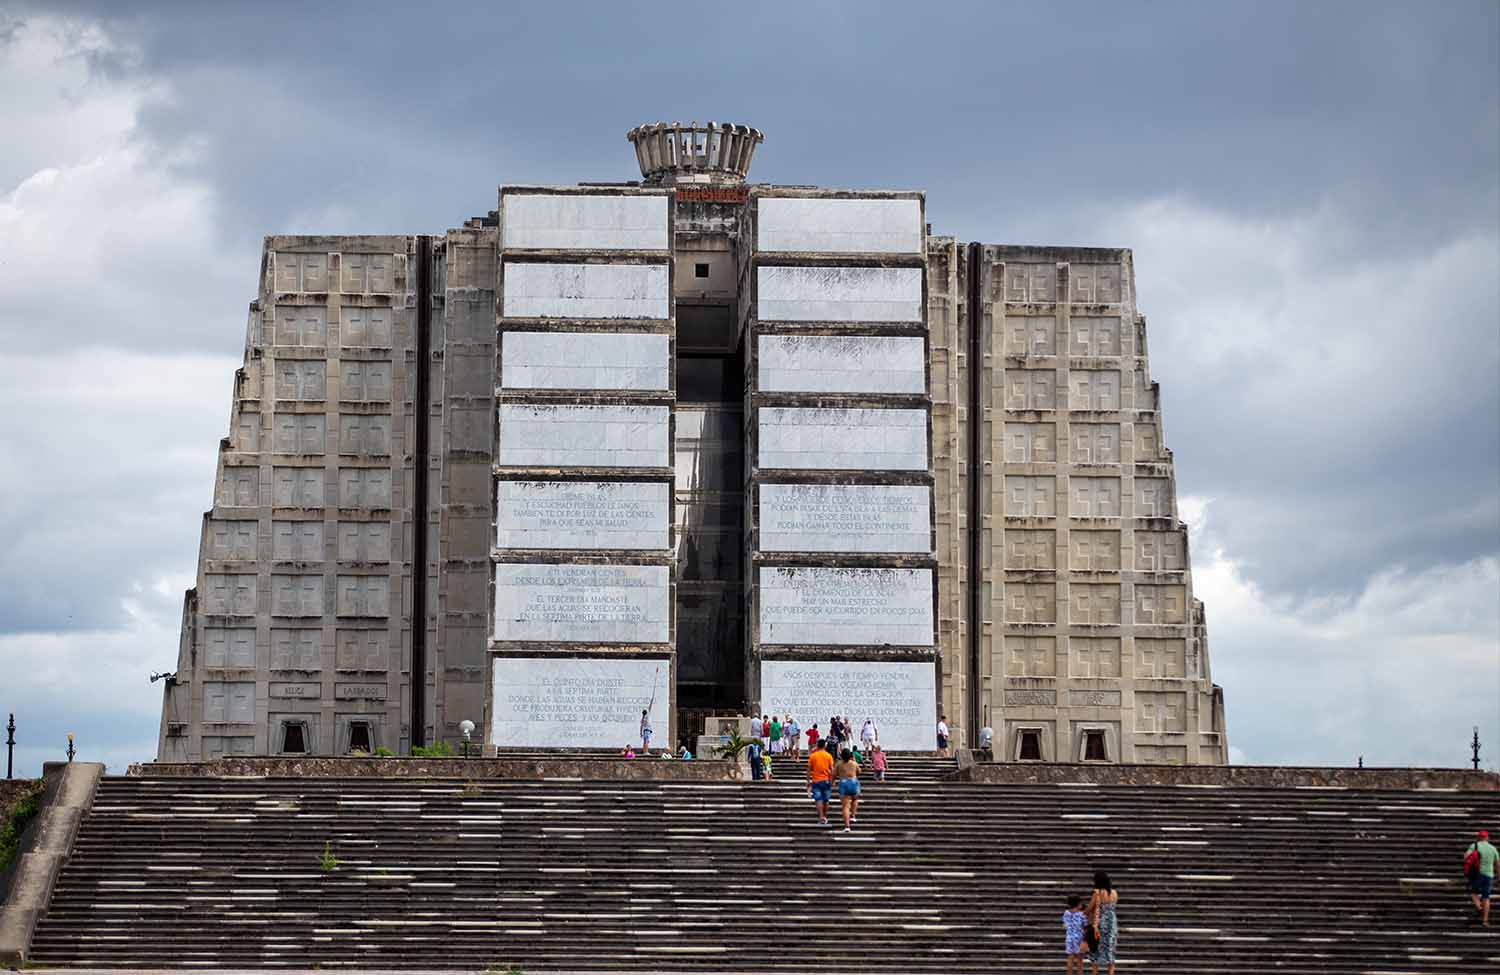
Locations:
(847, 774)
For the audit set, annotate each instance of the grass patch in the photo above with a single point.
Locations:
(22, 813)
(328, 862)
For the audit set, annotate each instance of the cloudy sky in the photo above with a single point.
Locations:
(1312, 192)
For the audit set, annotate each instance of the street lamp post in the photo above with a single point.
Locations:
(467, 727)
(71, 752)
(10, 746)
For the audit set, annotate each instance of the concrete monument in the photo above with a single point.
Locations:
(693, 445)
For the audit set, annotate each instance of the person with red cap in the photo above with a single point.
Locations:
(1479, 862)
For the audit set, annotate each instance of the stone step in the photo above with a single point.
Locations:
(736, 877)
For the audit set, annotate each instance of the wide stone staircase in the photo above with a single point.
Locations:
(737, 877)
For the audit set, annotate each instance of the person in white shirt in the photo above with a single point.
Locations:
(942, 735)
(757, 727)
(867, 734)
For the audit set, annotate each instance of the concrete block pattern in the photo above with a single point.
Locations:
(795, 438)
(839, 294)
(585, 291)
(297, 595)
(297, 541)
(364, 328)
(300, 433)
(583, 222)
(613, 515)
(361, 487)
(841, 364)
(229, 646)
(845, 607)
(583, 603)
(845, 518)
(585, 360)
(839, 226)
(229, 594)
(583, 436)
(550, 702)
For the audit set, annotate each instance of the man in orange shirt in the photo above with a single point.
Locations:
(820, 781)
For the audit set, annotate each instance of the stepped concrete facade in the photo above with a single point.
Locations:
(690, 445)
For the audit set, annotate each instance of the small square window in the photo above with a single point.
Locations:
(359, 737)
(700, 270)
(1031, 746)
(295, 742)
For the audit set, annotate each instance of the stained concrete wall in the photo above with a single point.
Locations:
(304, 580)
(463, 445)
(1089, 624)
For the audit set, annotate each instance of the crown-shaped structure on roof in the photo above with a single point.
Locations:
(671, 153)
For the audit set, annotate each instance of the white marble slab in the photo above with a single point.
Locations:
(900, 697)
(584, 222)
(839, 294)
(796, 438)
(591, 702)
(845, 607)
(832, 226)
(841, 363)
(584, 360)
(583, 603)
(582, 515)
(585, 291)
(583, 436)
(845, 518)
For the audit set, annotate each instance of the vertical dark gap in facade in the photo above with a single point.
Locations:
(976, 479)
(421, 422)
(710, 500)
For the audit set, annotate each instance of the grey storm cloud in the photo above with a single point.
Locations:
(1312, 192)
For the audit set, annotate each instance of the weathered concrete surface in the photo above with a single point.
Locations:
(588, 768)
(1238, 776)
(69, 791)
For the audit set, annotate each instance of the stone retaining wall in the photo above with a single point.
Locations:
(11, 791)
(563, 766)
(1239, 776)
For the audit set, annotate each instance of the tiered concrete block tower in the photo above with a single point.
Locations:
(693, 446)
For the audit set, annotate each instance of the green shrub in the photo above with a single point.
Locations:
(440, 750)
(383, 752)
(22, 813)
(328, 861)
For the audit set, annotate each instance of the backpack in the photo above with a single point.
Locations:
(1471, 862)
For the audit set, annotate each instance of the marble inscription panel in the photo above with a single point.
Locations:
(839, 294)
(845, 518)
(829, 226)
(583, 436)
(834, 439)
(584, 360)
(846, 607)
(587, 515)
(899, 696)
(583, 603)
(584, 222)
(585, 291)
(579, 702)
(842, 363)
